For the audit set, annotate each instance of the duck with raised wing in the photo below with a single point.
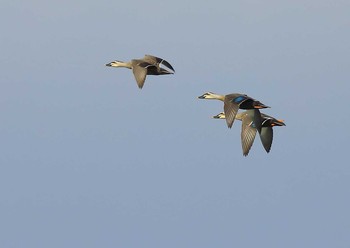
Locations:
(248, 131)
(148, 65)
(235, 101)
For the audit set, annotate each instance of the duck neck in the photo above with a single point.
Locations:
(124, 64)
(120, 64)
(217, 96)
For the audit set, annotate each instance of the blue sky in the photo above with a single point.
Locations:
(89, 160)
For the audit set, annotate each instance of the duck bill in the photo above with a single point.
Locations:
(202, 96)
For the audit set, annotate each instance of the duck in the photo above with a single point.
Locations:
(235, 101)
(148, 65)
(249, 130)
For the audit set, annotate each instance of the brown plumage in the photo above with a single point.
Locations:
(148, 65)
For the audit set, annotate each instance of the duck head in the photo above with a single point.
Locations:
(115, 63)
(211, 95)
(220, 116)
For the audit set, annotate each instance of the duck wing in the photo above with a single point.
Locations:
(230, 109)
(139, 70)
(266, 137)
(248, 134)
(257, 119)
(268, 121)
(157, 61)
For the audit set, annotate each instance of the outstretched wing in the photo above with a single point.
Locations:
(140, 73)
(156, 61)
(230, 109)
(266, 137)
(248, 134)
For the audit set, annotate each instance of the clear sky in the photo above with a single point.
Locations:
(89, 160)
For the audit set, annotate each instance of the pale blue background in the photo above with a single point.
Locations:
(89, 160)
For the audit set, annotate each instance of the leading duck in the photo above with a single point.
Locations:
(235, 101)
(148, 65)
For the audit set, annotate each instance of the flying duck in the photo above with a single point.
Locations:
(235, 101)
(148, 65)
(248, 131)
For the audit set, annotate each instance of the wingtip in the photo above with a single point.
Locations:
(229, 124)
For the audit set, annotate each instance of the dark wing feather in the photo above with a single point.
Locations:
(257, 119)
(247, 135)
(156, 61)
(268, 121)
(164, 71)
(151, 69)
(266, 137)
(167, 64)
